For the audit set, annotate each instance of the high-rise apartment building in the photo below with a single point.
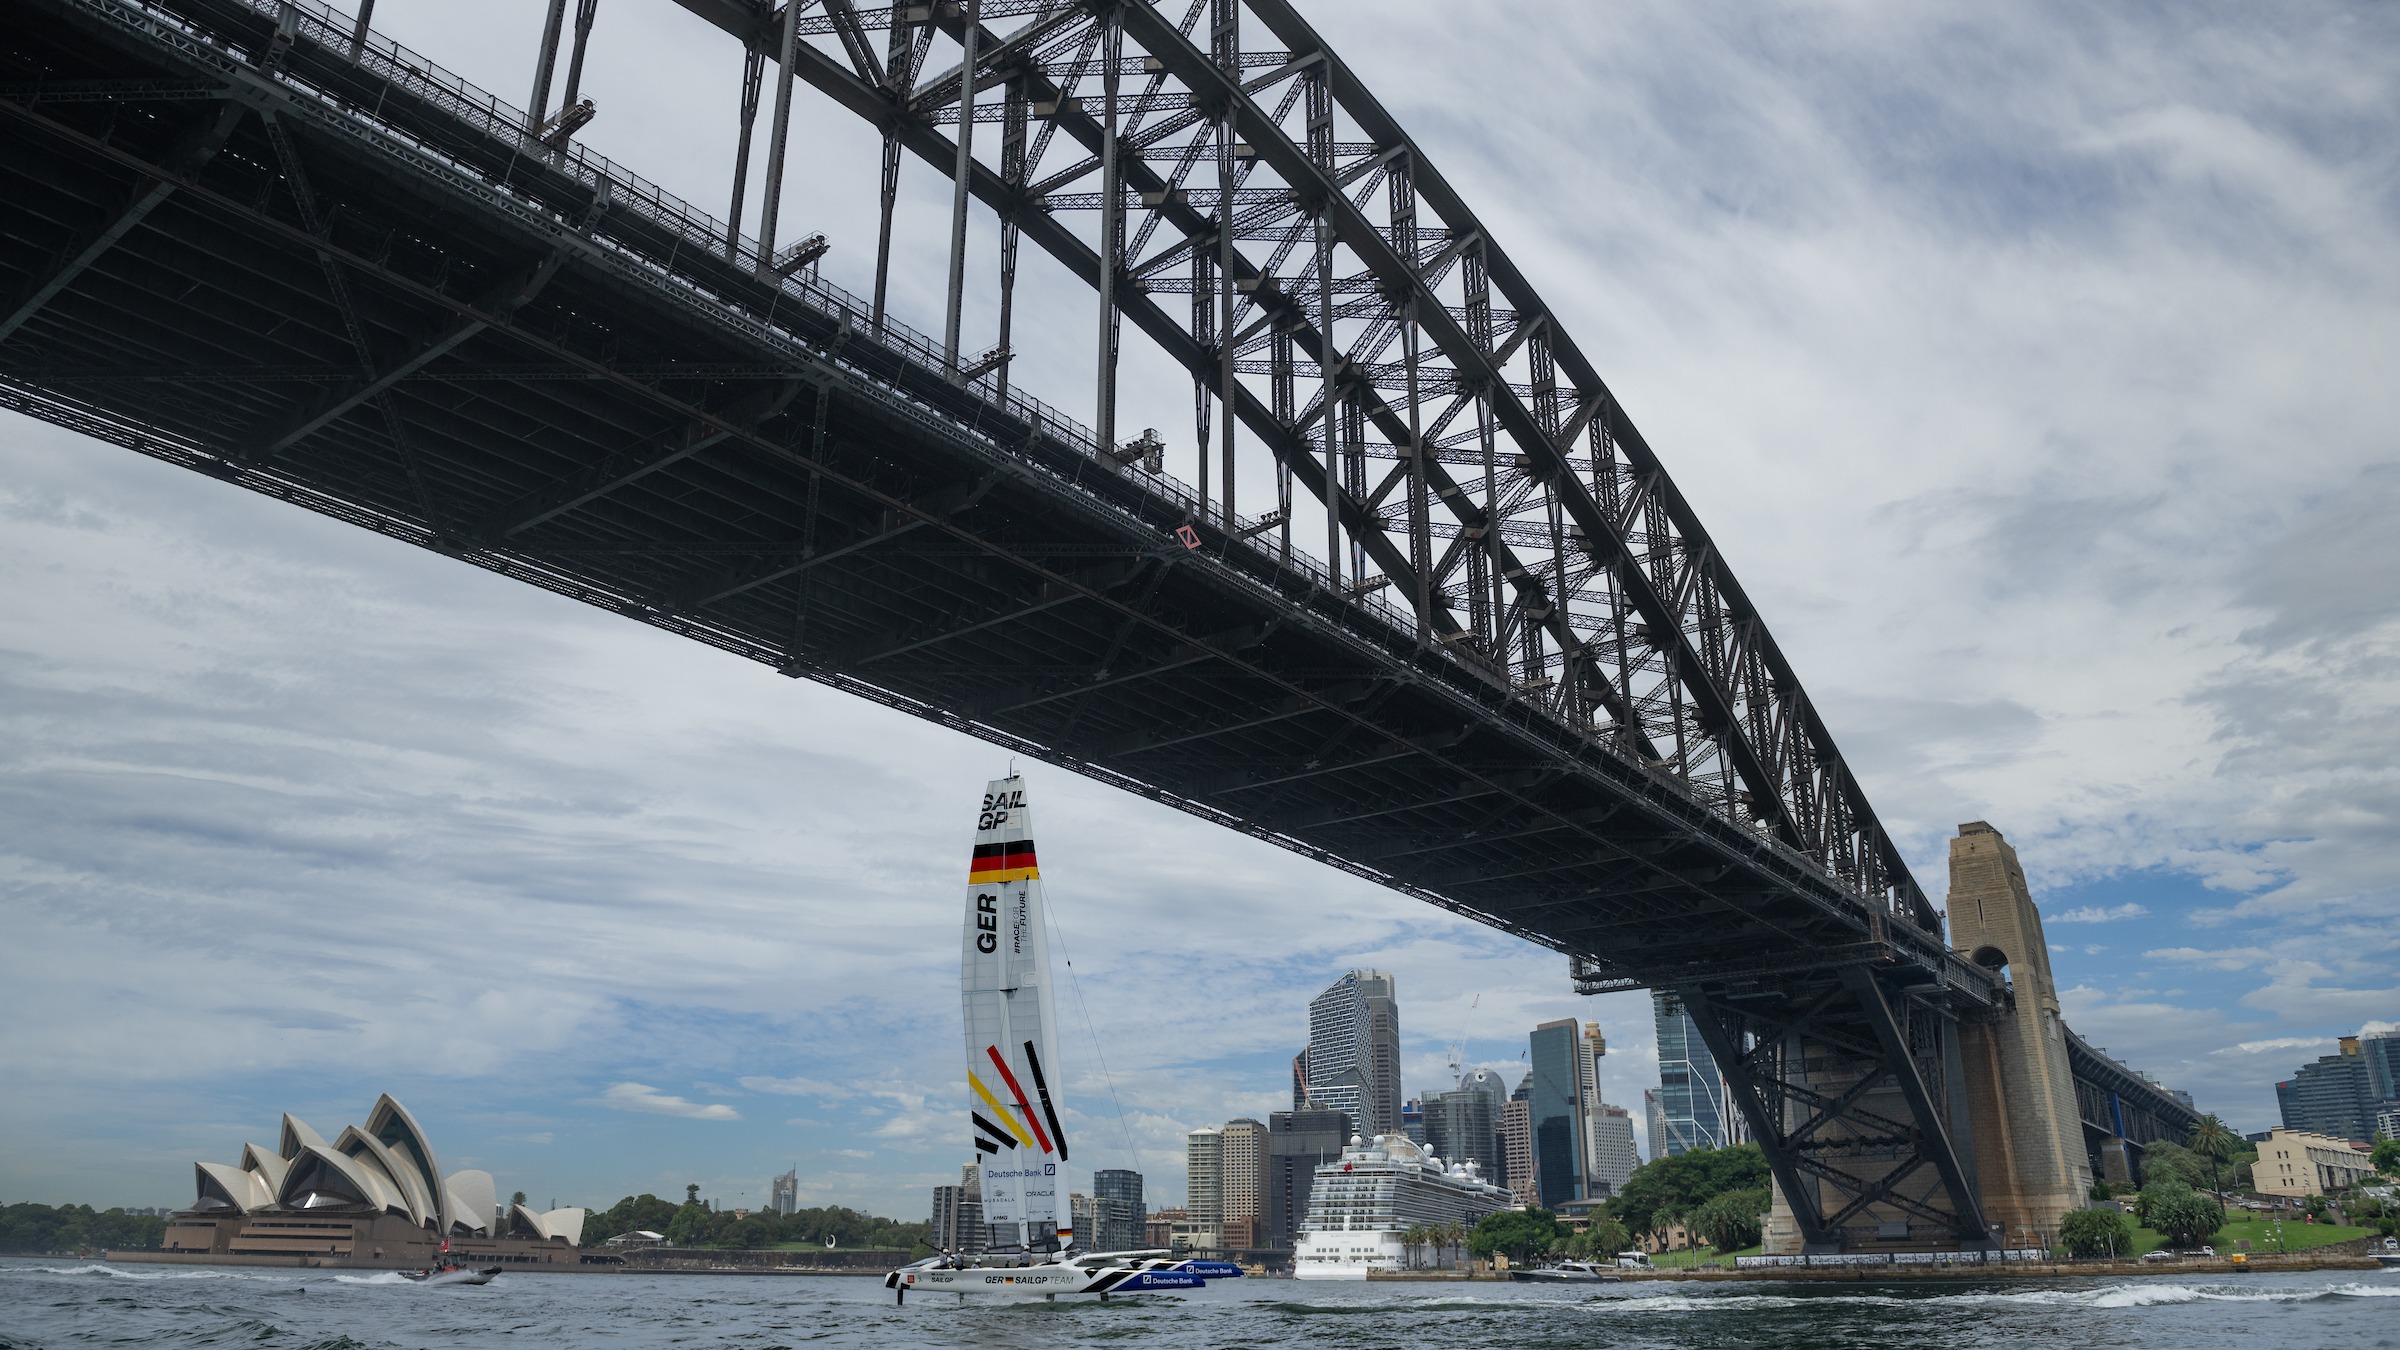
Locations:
(1692, 1096)
(1556, 1108)
(1204, 1163)
(783, 1193)
(2342, 1093)
(1516, 1148)
(1412, 1120)
(1117, 1211)
(1459, 1127)
(957, 1224)
(1297, 1143)
(1245, 1181)
(1612, 1156)
(1082, 1217)
(1352, 1064)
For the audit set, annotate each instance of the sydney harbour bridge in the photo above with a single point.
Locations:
(1415, 598)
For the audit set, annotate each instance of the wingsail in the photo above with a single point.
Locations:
(1013, 1095)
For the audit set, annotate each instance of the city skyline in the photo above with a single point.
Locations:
(689, 919)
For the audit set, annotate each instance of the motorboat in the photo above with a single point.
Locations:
(452, 1274)
(1565, 1272)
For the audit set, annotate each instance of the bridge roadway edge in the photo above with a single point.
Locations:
(1465, 768)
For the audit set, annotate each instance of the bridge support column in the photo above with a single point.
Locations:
(2020, 1092)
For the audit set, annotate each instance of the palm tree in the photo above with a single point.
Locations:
(1412, 1241)
(1454, 1233)
(2214, 1140)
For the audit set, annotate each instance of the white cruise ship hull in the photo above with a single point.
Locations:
(1346, 1255)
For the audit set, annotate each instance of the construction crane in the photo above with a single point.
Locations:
(1458, 1048)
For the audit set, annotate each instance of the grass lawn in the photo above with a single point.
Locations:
(2297, 1237)
(1699, 1256)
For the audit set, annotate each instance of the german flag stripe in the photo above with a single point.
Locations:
(1001, 1111)
(1011, 1080)
(995, 1131)
(1041, 1089)
(1013, 861)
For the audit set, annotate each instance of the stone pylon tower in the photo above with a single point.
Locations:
(2029, 1153)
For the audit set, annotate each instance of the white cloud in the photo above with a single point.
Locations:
(642, 1097)
(2275, 1044)
(2098, 914)
(795, 1087)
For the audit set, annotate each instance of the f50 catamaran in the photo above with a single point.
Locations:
(1015, 1105)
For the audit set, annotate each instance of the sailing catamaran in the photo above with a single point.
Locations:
(1014, 1093)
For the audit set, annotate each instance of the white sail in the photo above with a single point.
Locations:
(1013, 1088)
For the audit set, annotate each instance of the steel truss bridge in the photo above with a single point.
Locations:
(1468, 641)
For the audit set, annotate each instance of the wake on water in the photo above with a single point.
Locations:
(1637, 1304)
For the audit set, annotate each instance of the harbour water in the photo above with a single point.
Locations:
(53, 1304)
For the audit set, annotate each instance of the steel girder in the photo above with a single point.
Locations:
(1851, 1093)
(1591, 586)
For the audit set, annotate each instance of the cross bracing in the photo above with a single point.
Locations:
(1521, 683)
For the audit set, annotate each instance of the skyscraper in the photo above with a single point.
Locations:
(1692, 1096)
(1117, 1210)
(1654, 1119)
(1587, 1096)
(1352, 1064)
(784, 1193)
(1297, 1143)
(1516, 1147)
(1245, 1181)
(2341, 1093)
(1204, 1161)
(1459, 1127)
(1556, 1108)
(1412, 1119)
(1612, 1157)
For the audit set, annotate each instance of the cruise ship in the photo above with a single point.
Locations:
(1360, 1207)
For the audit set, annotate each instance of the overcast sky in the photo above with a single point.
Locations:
(2032, 365)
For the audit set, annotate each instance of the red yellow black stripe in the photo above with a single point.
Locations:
(1011, 1079)
(1011, 861)
(1041, 1089)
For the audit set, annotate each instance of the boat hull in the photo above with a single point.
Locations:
(456, 1275)
(1039, 1282)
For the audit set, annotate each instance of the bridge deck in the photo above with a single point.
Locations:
(377, 301)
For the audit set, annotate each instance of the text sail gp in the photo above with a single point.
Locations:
(1012, 1091)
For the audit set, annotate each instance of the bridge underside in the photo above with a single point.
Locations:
(483, 350)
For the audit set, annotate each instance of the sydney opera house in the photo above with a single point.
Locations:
(375, 1196)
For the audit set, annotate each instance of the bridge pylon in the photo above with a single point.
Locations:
(2020, 1089)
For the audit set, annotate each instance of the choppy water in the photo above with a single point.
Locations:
(54, 1304)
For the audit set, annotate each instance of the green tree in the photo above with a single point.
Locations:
(1664, 1190)
(2096, 1232)
(2386, 1155)
(2213, 1140)
(1608, 1238)
(2167, 1160)
(1520, 1233)
(631, 1214)
(1731, 1221)
(2185, 1216)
